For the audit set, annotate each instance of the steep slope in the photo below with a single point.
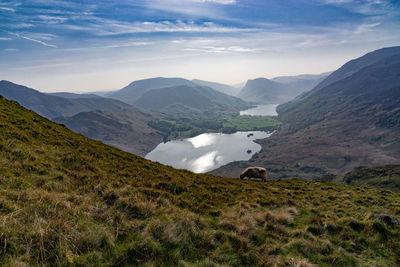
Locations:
(349, 123)
(355, 65)
(347, 70)
(301, 77)
(223, 88)
(70, 201)
(186, 100)
(262, 90)
(51, 106)
(127, 129)
(131, 93)
(373, 91)
(302, 83)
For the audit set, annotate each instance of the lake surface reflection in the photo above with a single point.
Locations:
(261, 110)
(207, 151)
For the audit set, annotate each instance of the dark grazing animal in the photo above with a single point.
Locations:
(254, 172)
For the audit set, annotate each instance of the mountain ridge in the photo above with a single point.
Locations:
(52, 106)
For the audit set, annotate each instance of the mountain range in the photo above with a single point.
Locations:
(177, 96)
(351, 119)
(279, 89)
(51, 106)
(188, 100)
(108, 120)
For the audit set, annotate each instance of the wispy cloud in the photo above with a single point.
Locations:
(221, 50)
(42, 36)
(33, 40)
(105, 27)
(110, 46)
(222, 2)
(366, 27)
(11, 49)
(52, 19)
(7, 9)
(365, 7)
(193, 8)
(20, 25)
(233, 39)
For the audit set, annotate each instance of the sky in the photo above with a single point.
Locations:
(83, 46)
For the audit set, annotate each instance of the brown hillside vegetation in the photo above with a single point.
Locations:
(71, 201)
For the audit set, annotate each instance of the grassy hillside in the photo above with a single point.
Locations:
(67, 200)
(386, 177)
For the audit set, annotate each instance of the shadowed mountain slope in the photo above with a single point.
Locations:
(131, 93)
(51, 106)
(187, 100)
(350, 68)
(68, 200)
(177, 96)
(127, 130)
(302, 83)
(349, 123)
(262, 90)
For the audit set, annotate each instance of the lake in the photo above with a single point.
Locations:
(261, 110)
(208, 151)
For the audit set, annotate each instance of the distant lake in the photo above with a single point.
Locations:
(261, 110)
(208, 151)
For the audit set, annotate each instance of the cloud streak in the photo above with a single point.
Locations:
(33, 40)
(106, 27)
(7, 9)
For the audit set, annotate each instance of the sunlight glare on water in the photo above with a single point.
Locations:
(202, 140)
(207, 151)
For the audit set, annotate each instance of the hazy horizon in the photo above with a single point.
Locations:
(71, 46)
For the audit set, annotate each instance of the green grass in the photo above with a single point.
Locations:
(386, 177)
(70, 201)
(250, 123)
(178, 128)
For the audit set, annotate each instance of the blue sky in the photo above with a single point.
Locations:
(77, 46)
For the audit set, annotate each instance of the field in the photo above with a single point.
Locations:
(178, 128)
(251, 123)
